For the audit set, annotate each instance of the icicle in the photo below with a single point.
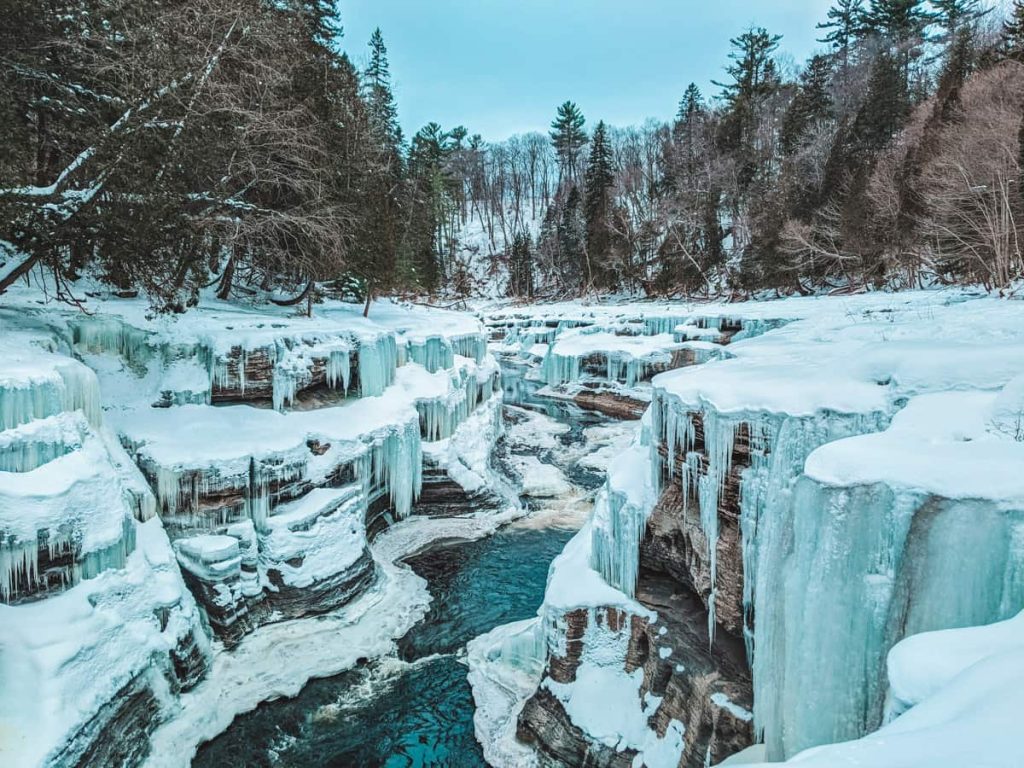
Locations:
(76, 389)
(338, 369)
(19, 568)
(560, 369)
(395, 463)
(81, 391)
(111, 557)
(434, 353)
(100, 335)
(378, 360)
(284, 387)
(472, 345)
(616, 537)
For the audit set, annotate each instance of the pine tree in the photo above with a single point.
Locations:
(572, 242)
(682, 153)
(845, 26)
(754, 79)
(812, 103)
(569, 138)
(379, 237)
(520, 283)
(597, 208)
(752, 69)
(901, 22)
(1013, 33)
(954, 15)
(884, 110)
(691, 109)
(378, 94)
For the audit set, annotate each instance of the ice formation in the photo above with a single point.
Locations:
(434, 353)
(621, 510)
(268, 507)
(626, 359)
(870, 449)
(964, 691)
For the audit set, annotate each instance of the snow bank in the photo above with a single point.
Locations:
(965, 688)
(66, 657)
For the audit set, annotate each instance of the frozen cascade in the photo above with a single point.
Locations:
(338, 369)
(778, 447)
(220, 371)
(616, 543)
(473, 346)
(621, 510)
(655, 326)
(75, 387)
(394, 462)
(630, 370)
(40, 441)
(440, 417)
(378, 360)
(560, 369)
(99, 335)
(180, 490)
(869, 566)
(434, 353)
(19, 560)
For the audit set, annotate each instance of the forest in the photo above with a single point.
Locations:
(176, 146)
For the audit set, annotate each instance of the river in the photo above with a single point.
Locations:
(416, 709)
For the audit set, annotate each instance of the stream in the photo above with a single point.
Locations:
(417, 709)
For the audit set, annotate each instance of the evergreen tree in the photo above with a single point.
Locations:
(686, 138)
(954, 15)
(378, 94)
(1013, 32)
(752, 69)
(884, 110)
(520, 268)
(376, 254)
(811, 104)
(431, 204)
(692, 109)
(754, 79)
(845, 26)
(569, 138)
(597, 211)
(901, 22)
(572, 242)
(912, 203)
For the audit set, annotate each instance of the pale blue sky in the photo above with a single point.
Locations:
(501, 67)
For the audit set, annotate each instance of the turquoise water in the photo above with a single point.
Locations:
(416, 711)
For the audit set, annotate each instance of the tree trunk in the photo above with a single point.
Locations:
(297, 300)
(369, 299)
(7, 280)
(224, 289)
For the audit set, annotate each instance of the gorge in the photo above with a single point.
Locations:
(603, 534)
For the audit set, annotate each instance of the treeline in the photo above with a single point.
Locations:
(891, 159)
(176, 145)
(172, 145)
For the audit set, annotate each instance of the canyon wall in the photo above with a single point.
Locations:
(834, 480)
(171, 488)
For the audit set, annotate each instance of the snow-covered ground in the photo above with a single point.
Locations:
(99, 609)
(874, 411)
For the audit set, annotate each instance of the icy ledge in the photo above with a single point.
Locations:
(277, 660)
(971, 686)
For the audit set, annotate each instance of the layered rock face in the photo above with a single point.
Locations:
(807, 502)
(270, 449)
(86, 575)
